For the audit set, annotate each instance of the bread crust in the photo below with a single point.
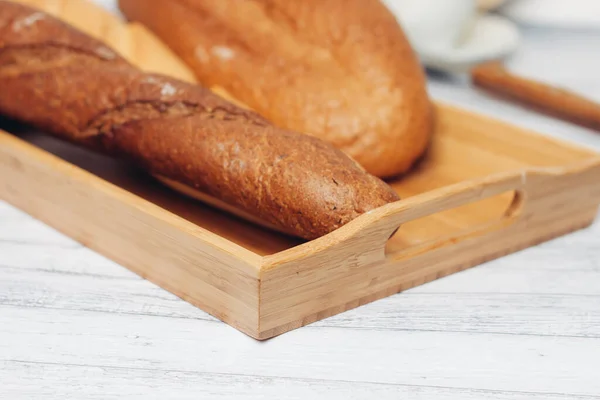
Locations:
(341, 70)
(58, 79)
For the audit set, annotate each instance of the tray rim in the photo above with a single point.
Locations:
(264, 296)
(354, 227)
(504, 181)
(79, 174)
(262, 263)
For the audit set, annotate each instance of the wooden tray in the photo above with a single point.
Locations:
(484, 189)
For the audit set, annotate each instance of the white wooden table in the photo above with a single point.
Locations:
(527, 326)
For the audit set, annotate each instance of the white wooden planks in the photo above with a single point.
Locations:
(480, 340)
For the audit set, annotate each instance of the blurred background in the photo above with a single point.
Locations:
(556, 42)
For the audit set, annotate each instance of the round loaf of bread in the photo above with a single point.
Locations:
(341, 70)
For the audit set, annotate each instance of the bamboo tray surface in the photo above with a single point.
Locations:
(467, 148)
(485, 153)
(484, 189)
(251, 237)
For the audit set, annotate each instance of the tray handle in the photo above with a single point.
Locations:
(364, 239)
(445, 199)
(371, 231)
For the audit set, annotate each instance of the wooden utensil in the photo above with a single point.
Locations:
(561, 103)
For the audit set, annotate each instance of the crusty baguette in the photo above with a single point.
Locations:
(341, 70)
(132, 41)
(56, 78)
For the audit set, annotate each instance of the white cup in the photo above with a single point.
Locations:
(452, 34)
(434, 23)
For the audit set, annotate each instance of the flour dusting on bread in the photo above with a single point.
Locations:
(168, 90)
(106, 53)
(223, 52)
(27, 21)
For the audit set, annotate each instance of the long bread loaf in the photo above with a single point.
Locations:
(341, 70)
(132, 41)
(60, 80)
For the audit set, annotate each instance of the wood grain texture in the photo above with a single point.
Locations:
(471, 218)
(420, 358)
(418, 311)
(75, 328)
(35, 379)
(231, 284)
(515, 189)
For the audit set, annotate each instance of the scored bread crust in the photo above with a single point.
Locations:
(132, 41)
(341, 70)
(56, 78)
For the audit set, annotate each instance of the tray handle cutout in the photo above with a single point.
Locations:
(379, 234)
(451, 225)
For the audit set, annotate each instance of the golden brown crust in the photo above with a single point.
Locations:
(341, 70)
(59, 79)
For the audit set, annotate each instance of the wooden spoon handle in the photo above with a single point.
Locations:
(560, 103)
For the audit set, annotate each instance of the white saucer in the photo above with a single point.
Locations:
(110, 5)
(580, 14)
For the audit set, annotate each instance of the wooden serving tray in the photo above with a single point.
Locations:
(484, 189)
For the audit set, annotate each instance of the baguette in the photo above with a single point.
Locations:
(341, 70)
(75, 87)
(132, 41)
